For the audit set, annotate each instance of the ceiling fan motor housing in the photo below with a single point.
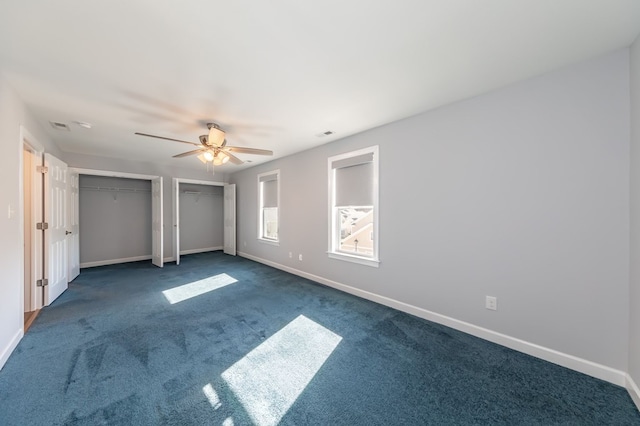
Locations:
(216, 135)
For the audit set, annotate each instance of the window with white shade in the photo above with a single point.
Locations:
(268, 200)
(353, 206)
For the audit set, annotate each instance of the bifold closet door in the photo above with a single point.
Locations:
(230, 219)
(157, 222)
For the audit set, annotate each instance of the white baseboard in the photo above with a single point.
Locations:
(114, 261)
(6, 352)
(590, 368)
(633, 390)
(202, 250)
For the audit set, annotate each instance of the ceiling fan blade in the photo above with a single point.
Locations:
(242, 150)
(186, 154)
(168, 139)
(232, 158)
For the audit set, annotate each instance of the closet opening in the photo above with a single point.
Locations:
(120, 218)
(199, 216)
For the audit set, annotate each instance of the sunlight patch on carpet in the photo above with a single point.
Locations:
(197, 288)
(270, 378)
(212, 396)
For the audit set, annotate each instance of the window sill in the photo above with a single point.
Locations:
(270, 242)
(354, 259)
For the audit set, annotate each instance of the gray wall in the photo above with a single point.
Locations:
(167, 172)
(522, 194)
(634, 299)
(114, 224)
(13, 113)
(201, 217)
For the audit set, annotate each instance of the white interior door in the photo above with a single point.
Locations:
(55, 238)
(176, 218)
(230, 219)
(157, 223)
(73, 231)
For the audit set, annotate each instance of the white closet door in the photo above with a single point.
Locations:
(156, 220)
(230, 219)
(55, 238)
(73, 233)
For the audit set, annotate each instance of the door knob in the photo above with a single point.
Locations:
(67, 232)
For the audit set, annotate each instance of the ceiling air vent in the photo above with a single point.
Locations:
(323, 134)
(60, 126)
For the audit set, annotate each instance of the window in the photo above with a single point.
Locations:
(353, 206)
(268, 200)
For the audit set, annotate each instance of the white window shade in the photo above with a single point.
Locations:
(270, 193)
(353, 161)
(354, 183)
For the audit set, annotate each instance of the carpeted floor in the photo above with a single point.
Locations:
(255, 345)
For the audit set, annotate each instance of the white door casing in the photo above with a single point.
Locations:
(55, 239)
(73, 233)
(230, 219)
(176, 209)
(157, 223)
(176, 218)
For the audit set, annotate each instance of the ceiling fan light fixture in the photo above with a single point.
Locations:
(216, 135)
(220, 159)
(208, 156)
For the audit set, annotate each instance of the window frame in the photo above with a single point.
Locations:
(261, 236)
(334, 225)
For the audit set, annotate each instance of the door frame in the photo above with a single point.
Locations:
(29, 142)
(175, 192)
(124, 175)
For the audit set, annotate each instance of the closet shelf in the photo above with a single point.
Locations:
(188, 192)
(113, 189)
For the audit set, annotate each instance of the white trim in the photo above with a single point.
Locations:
(6, 353)
(333, 225)
(634, 391)
(354, 259)
(25, 135)
(108, 173)
(200, 182)
(114, 261)
(270, 242)
(260, 208)
(175, 209)
(590, 368)
(29, 142)
(201, 250)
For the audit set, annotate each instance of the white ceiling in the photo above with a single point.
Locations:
(276, 74)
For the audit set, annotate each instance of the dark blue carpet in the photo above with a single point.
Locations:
(272, 348)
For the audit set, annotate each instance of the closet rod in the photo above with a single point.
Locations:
(113, 189)
(199, 193)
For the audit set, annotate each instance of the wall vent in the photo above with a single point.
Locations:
(60, 126)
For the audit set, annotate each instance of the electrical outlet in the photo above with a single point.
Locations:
(300, 257)
(290, 255)
(491, 303)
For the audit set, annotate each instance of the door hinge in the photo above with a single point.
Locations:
(42, 169)
(42, 283)
(42, 226)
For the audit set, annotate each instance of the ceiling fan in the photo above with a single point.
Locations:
(213, 147)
